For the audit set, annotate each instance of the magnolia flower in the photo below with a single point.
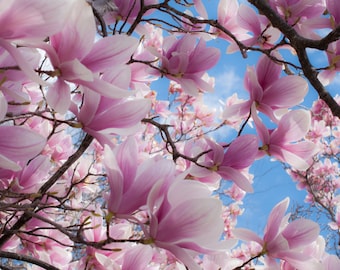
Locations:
(196, 230)
(13, 149)
(229, 165)
(101, 116)
(130, 181)
(82, 62)
(285, 142)
(333, 56)
(28, 22)
(268, 91)
(283, 240)
(185, 61)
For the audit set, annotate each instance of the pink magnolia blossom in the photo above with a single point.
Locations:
(333, 56)
(32, 177)
(182, 234)
(303, 15)
(28, 22)
(263, 35)
(81, 63)
(285, 240)
(268, 91)
(185, 61)
(101, 116)
(14, 149)
(131, 181)
(229, 165)
(227, 17)
(285, 142)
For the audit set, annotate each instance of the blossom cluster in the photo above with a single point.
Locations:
(98, 172)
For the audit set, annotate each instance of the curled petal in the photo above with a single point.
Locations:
(13, 148)
(301, 232)
(241, 152)
(58, 96)
(286, 92)
(274, 220)
(237, 177)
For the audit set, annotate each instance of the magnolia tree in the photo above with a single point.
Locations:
(98, 171)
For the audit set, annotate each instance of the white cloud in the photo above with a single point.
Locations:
(227, 83)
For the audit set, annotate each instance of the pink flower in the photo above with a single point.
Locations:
(185, 61)
(14, 149)
(32, 20)
(285, 142)
(229, 165)
(29, 22)
(333, 55)
(130, 181)
(227, 17)
(263, 35)
(196, 230)
(81, 63)
(303, 15)
(284, 240)
(32, 177)
(268, 91)
(101, 116)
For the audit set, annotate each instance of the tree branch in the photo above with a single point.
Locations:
(8, 233)
(300, 44)
(25, 258)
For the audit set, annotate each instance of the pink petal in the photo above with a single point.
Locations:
(104, 88)
(229, 173)
(252, 85)
(75, 70)
(110, 51)
(32, 19)
(123, 115)
(115, 179)
(247, 235)
(275, 219)
(200, 9)
(127, 159)
(267, 71)
(137, 258)
(236, 111)
(3, 106)
(261, 129)
(241, 152)
(217, 151)
(14, 148)
(6, 163)
(89, 107)
(299, 155)
(77, 37)
(248, 19)
(301, 232)
(21, 62)
(58, 96)
(181, 254)
(203, 58)
(293, 126)
(196, 216)
(286, 92)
